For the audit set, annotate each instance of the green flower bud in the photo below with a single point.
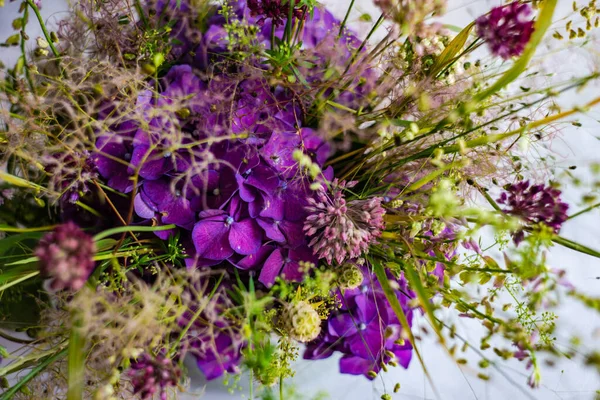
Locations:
(301, 321)
(350, 276)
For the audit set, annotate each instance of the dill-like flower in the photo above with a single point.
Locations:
(66, 256)
(534, 204)
(410, 13)
(341, 229)
(151, 374)
(506, 29)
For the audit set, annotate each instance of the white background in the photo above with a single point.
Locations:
(567, 380)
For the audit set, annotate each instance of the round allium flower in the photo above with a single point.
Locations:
(67, 256)
(534, 204)
(275, 10)
(151, 374)
(340, 229)
(507, 29)
(301, 321)
(349, 276)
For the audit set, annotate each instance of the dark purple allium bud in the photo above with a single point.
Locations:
(534, 204)
(506, 29)
(276, 10)
(340, 229)
(150, 375)
(67, 256)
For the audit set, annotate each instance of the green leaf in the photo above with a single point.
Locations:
(414, 281)
(105, 244)
(10, 243)
(397, 308)
(13, 40)
(452, 50)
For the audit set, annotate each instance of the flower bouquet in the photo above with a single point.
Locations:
(244, 183)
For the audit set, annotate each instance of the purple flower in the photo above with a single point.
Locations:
(365, 329)
(218, 235)
(151, 374)
(157, 200)
(534, 204)
(220, 356)
(273, 10)
(66, 255)
(342, 230)
(507, 29)
(292, 264)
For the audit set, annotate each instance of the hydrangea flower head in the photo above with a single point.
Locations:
(67, 256)
(507, 29)
(365, 329)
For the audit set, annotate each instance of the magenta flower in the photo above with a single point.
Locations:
(151, 375)
(275, 10)
(534, 204)
(506, 29)
(66, 255)
(342, 230)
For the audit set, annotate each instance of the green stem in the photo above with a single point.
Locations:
(576, 246)
(585, 210)
(47, 35)
(343, 24)
(281, 388)
(23, 53)
(122, 229)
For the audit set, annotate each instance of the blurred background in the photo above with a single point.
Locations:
(575, 146)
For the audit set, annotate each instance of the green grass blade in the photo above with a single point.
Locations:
(123, 229)
(542, 24)
(415, 283)
(32, 374)
(397, 308)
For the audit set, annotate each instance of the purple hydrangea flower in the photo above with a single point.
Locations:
(66, 255)
(507, 29)
(218, 235)
(365, 329)
(151, 375)
(340, 229)
(291, 264)
(534, 204)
